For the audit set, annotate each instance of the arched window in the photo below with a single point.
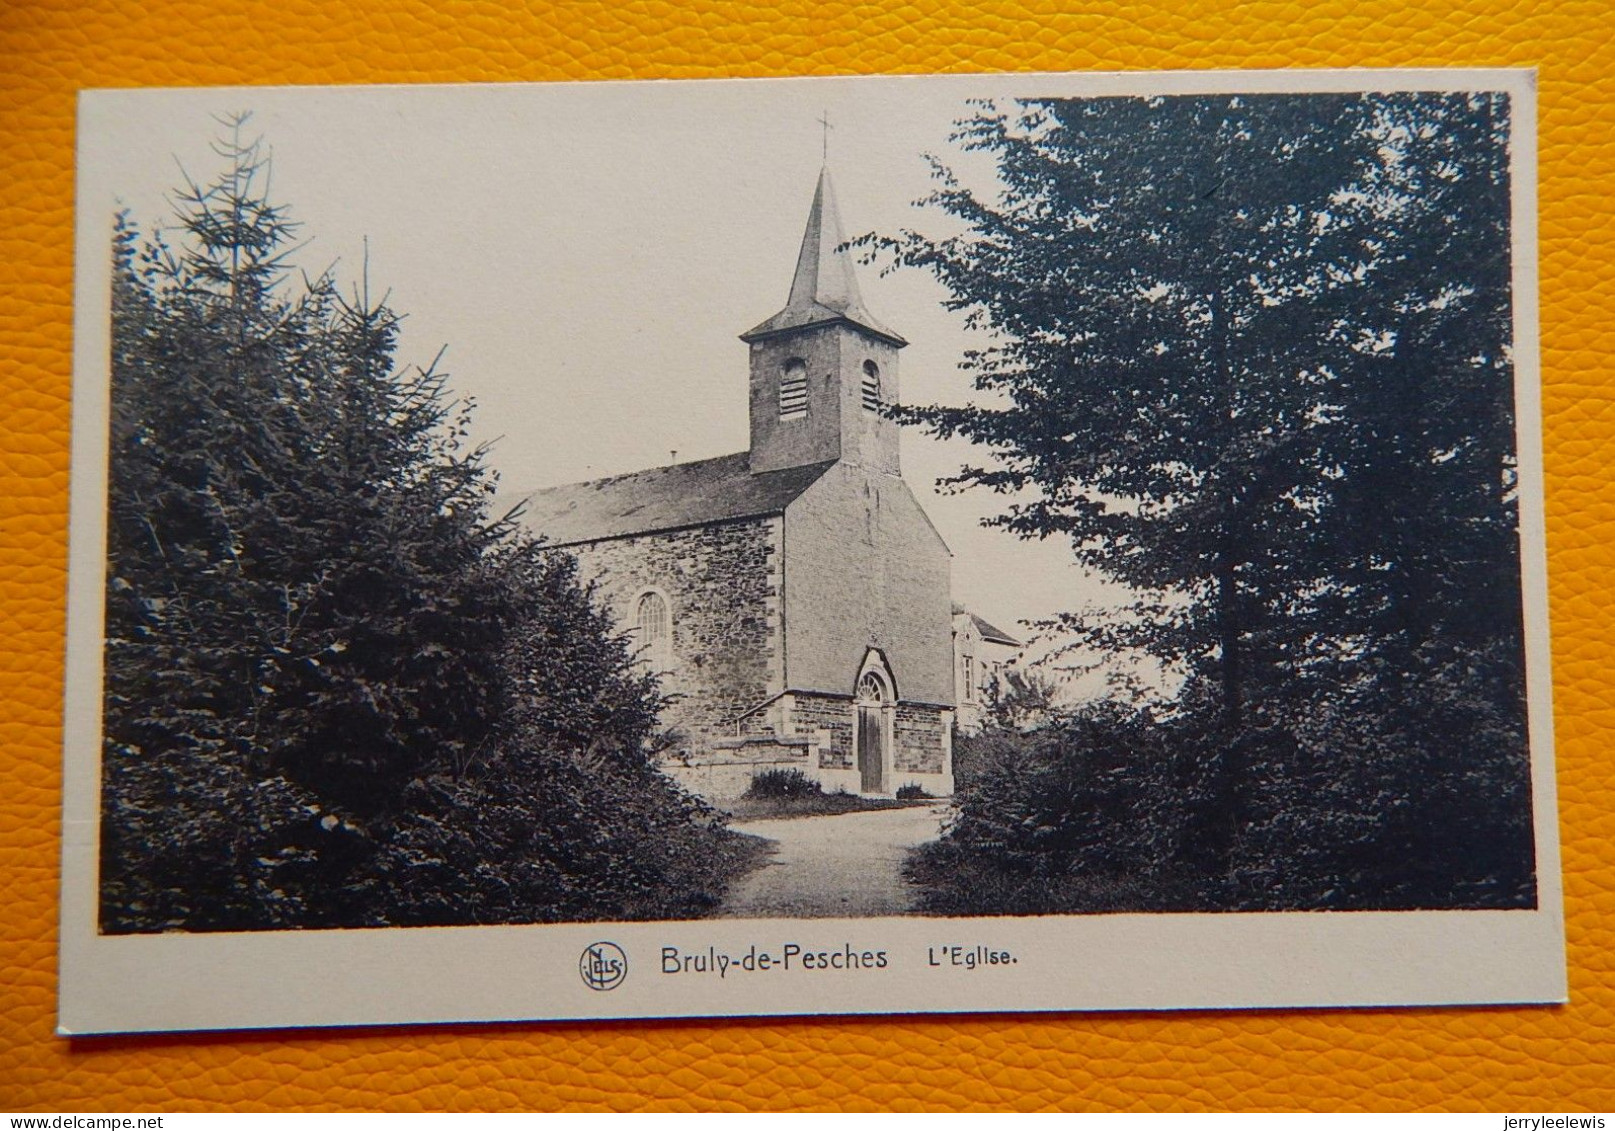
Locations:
(653, 627)
(793, 390)
(871, 386)
(870, 689)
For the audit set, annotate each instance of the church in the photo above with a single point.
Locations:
(793, 598)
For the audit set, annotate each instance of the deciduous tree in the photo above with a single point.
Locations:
(1253, 354)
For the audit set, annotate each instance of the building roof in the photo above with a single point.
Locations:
(664, 498)
(986, 630)
(824, 289)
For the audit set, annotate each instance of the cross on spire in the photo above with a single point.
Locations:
(824, 120)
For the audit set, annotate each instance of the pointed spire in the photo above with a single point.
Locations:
(824, 288)
(823, 273)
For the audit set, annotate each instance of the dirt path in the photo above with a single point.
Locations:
(829, 867)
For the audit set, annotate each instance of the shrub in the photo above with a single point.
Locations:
(782, 784)
(1096, 794)
(912, 791)
(1374, 803)
(1350, 798)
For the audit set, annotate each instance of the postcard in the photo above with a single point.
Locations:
(823, 546)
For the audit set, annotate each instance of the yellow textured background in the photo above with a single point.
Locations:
(1464, 1059)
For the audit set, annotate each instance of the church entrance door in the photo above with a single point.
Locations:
(871, 733)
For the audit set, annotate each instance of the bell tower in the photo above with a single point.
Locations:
(823, 368)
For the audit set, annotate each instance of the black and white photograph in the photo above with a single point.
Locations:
(847, 545)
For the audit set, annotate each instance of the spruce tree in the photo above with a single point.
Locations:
(339, 691)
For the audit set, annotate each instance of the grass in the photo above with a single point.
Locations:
(733, 854)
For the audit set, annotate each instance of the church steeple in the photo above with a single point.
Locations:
(824, 288)
(823, 367)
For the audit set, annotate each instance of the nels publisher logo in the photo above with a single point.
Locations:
(603, 966)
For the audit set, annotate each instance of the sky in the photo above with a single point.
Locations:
(588, 254)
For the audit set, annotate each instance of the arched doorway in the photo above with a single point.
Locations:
(873, 704)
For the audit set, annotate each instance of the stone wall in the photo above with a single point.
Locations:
(722, 583)
(922, 738)
(922, 749)
(814, 713)
(760, 723)
(725, 770)
(836, 424)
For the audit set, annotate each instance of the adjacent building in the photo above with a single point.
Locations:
(981, 652)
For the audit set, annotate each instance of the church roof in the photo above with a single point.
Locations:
(985, 629)
(824, 289)
(665, 498)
